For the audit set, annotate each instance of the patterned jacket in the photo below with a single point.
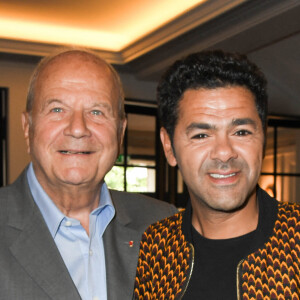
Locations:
(271, 271)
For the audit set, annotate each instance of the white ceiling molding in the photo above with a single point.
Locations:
(42, 49)
(203, 13)
(245, 19)
(25, 47)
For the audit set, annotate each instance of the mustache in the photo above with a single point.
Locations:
(232, 164)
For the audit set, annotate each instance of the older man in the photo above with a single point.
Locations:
(233, 241)
(63, 234)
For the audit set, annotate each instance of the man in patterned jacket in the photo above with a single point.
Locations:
(233, 241)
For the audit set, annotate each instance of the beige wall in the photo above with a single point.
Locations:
(15, 76)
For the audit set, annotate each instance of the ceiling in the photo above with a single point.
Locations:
(143, 37)
(107, 25)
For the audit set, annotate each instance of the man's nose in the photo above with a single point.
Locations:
(77, 126)
(223, 149)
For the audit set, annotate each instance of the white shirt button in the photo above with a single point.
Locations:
(68, 223)
(91, 253)
(96, 298)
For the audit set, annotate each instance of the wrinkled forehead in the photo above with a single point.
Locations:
(78, 71)
(73, 63)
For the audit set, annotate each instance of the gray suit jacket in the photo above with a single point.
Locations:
(31, 267)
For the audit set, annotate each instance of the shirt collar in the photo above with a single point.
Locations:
(51, 214)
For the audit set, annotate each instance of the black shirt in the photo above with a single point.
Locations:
(215, 266)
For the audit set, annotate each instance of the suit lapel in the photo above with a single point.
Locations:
(34, 248)
(121, 245)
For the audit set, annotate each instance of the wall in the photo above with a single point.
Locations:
(15, 75)
(137, 89)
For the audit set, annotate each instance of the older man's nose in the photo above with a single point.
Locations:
(77, 126)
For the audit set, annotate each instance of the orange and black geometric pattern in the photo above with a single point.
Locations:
(163, 261)
(272, 272)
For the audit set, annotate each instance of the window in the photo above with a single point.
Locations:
(280, 175)
(135, 168)
(3, 136)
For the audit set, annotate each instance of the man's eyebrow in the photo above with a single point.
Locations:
(205, 126)
(101, 104)
(95, 104)
(208, 126)
(50, 101)
(243, 121)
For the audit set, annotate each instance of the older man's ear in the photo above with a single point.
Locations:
(26, 121)
(122, 128)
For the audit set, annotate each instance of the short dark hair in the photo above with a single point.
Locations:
(209, 70)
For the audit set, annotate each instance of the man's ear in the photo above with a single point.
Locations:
(167, 145)
(26, 127)
(122, 127)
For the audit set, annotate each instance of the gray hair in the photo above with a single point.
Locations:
(47, 59)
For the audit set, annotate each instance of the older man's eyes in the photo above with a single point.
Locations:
(96, 112)
(56, 110)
